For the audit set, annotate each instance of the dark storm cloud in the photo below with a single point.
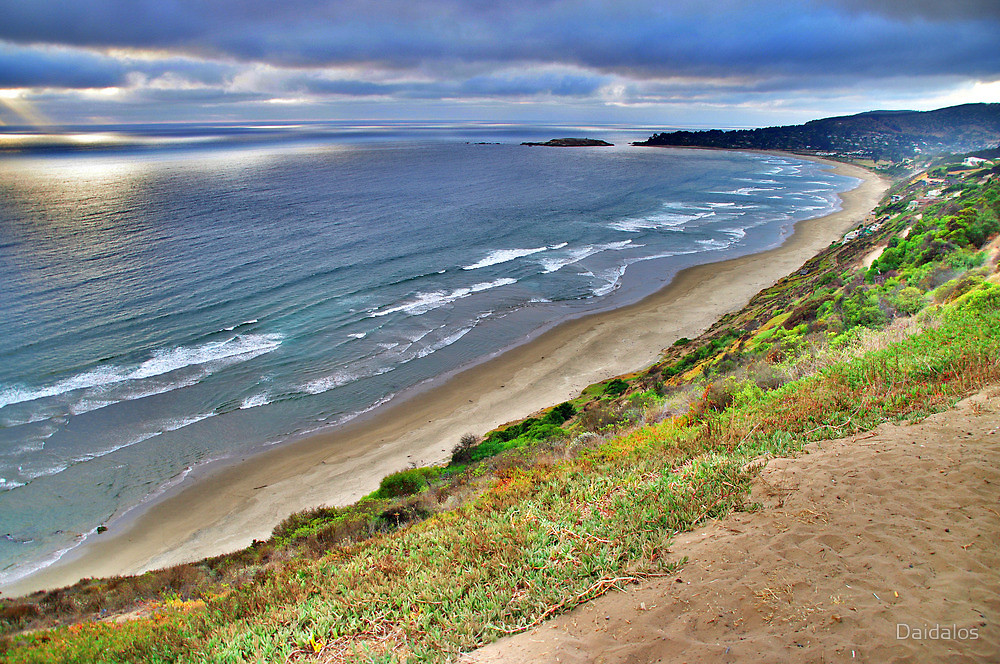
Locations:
(649, 38)
(186, 55)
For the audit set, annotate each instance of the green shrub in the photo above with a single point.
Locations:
(908, 300)
(560, 413)
(462, 453)
(615, 387)
(405, 482)
(487, 448)
(531, 430)
(861, 308)
(957, 287)
(696, 356)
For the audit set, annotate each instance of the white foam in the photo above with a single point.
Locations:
(443, 343)
(358, 335)
(350, 416)
(666, 254)
(261, 399)
(424, 302)
(575, 255)
(162, 361)
(554, 264)
(416, 336)
(7, 485)
(246, 322)
(745, 191)
(339, 379)
(613, 279)
(503, 256)
(655, 221)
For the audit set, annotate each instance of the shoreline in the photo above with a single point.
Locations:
(233, 503)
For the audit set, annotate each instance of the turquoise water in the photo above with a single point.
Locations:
(175, 297)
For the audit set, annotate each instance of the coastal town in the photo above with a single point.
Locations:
(926, 188)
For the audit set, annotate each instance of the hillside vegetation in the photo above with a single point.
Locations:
(541, 515)
(891, 136)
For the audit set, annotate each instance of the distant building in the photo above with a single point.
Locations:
(919, 203)
(973, 162)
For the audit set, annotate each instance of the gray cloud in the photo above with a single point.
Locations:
(25, 67)
(46, 66)
(238, 52)
(937, 10)
(749, 37)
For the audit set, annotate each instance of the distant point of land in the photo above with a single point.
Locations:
(572, 143)
(881, 137)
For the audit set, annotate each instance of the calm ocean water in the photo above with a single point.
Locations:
(189, 293)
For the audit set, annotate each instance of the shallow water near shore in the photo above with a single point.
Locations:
(165, 308)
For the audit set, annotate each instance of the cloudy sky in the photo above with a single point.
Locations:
(668, 63)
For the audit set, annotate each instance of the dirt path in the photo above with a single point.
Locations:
(861, 541)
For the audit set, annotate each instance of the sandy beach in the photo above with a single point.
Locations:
(224, 508)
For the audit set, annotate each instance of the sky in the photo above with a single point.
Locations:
(686, 63)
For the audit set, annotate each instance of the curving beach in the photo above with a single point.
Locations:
(222, 508)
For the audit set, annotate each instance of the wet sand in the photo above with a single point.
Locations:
(224, 508)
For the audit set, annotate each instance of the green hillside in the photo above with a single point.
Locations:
(876, 135)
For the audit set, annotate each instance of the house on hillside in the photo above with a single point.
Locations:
(974, 162)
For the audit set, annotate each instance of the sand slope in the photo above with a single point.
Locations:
(897, 526)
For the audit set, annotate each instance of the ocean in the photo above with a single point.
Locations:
(174, 295)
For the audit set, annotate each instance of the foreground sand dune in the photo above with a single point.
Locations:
(861, 541)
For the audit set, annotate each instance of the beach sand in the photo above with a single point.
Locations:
(862, 547)
(225, 508)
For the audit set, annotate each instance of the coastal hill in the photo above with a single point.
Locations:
(572, 143)
(876, 135)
